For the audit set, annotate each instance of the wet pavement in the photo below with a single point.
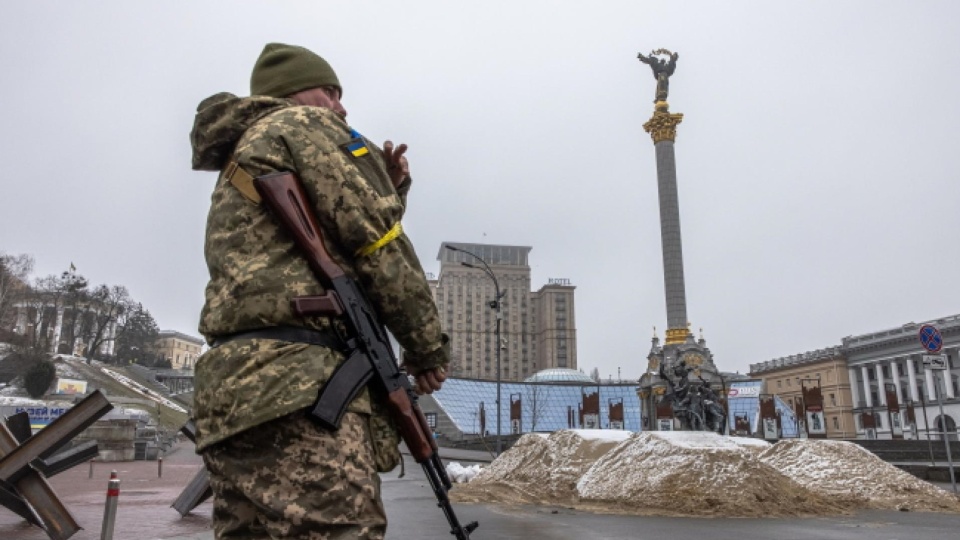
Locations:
(143, 507)
(144, 512)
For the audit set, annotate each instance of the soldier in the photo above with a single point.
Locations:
(274, 472)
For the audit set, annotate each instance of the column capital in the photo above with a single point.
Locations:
(677, 335)
(662, 126)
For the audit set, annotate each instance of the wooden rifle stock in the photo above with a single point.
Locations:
(408, 422)
(284, 195)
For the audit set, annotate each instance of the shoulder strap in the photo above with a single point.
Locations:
(241, 180)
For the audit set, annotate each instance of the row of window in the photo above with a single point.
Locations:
(832, 398)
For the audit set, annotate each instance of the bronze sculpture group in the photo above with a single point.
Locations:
(696, 405)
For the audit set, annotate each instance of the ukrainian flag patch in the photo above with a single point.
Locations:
(357, 147)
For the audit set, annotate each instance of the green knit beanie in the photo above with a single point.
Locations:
(282, 70)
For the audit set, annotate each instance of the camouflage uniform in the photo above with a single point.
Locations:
(289, 478)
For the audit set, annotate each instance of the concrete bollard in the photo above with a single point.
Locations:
(110, 511)
(160, 467)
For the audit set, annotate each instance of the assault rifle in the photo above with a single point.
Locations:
(370, 356)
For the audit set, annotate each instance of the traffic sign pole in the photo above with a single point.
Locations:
(932, 341)
(944, 433)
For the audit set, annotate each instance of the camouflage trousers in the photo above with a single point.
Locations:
(290, 478)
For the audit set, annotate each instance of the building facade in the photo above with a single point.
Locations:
(65, 328)
(879, 381)
(538, 328)
(894, 391)
(826, 368)
(180, 349)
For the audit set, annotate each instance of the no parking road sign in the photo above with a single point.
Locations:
(930, 338)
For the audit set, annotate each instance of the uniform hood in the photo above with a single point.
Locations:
(221, 120)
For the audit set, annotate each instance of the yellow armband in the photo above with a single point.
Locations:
(391, 235)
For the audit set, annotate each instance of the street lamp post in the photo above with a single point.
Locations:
(496, 305)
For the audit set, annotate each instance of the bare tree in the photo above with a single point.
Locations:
(14, 274)
(595, 374)
(103, 308)
(538, 398)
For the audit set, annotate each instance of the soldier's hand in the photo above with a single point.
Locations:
(397, 166)
(430, 380)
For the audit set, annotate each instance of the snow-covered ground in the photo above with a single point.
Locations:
(74, 367)
(143, 390)
(697, 473)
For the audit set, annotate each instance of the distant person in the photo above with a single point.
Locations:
(274, 472)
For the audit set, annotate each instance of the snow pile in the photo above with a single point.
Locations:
(509, 477)
(460, 474)
(693, 473)
(542, 468)
(19, 401)
(847, 472)
(698, 474)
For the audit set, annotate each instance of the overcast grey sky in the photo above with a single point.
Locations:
(817, 160)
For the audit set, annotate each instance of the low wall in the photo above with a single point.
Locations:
(114, 439)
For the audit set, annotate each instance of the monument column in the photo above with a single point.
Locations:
(682, 357)
(662, 128)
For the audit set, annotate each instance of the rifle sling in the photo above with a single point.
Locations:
(241, 180)
(292, 334)
(343, 385)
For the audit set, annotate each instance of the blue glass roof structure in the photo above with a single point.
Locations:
(744, 400)
(544, 407)
(560, 375)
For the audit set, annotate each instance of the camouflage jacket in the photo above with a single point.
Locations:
(255, 268)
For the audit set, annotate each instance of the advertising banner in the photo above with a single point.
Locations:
(816, 425)
(770, 429)
(815, 421)
(741, 425)
(41, 416)
(911, 421)
(70, 386)
(893, 410)
(750, 389)
(869, 425)
(896, 425)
